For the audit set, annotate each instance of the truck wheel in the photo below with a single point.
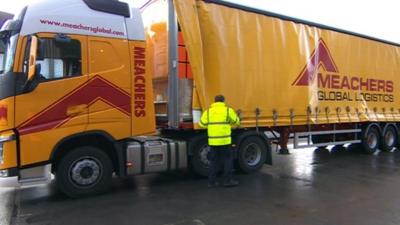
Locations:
(317, 139)
(252, 154)
(338, 149)
(84, 171)
(389, 139)
(370, 140)
(200, 156)
(355, 148)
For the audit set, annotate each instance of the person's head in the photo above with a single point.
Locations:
(219, 98)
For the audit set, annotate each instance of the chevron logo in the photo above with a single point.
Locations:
(335, 86)
(95, 89)
(319, 57)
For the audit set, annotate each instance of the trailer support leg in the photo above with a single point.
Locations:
(283, 140)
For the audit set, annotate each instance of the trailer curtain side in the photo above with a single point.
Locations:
(289, 72)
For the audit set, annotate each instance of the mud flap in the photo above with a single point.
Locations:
(268, 159)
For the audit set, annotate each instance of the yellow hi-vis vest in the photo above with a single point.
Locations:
(218, 120)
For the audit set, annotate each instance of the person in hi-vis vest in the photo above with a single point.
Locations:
(218, 120)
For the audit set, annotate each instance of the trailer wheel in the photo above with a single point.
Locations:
(252, 154)
(318, 139)
(338, 149)
(370, 139)
(355, 148)
(200, 155)
(389, 139)
(84, 171)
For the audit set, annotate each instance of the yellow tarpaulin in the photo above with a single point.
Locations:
(292, 72)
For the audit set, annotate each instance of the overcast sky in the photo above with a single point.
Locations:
(377, 18)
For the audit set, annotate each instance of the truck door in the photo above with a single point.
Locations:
(109, 70)
(55, 106)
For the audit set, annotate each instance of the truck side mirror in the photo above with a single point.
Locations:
(32, 58)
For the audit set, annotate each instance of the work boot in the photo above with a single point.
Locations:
(284, 151)
(213, 184)
(231, 183)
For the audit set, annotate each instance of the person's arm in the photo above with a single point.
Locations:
(204, 120)
(233, 118)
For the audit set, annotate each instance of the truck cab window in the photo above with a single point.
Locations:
(8, 45)
(59, 59)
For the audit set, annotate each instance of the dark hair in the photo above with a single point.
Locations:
(219, 98)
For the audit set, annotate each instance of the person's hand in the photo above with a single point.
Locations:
(239, 113)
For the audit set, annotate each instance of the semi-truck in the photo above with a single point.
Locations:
(90, 89)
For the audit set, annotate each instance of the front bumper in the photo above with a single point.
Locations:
(8, 151)
(13, 172)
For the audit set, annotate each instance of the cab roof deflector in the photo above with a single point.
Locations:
(109, 6)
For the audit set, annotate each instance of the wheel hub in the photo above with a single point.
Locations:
(372, 140)
(252, 154)
(204, 151)
(389, 138)
(85, 172)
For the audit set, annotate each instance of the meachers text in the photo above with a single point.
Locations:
(363, 86)
(140, 81)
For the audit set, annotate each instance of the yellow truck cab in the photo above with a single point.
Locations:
(74, 75)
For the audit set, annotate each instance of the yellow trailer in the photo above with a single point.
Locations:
(294, 72)
(287, 75)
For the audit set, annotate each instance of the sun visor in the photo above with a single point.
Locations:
(109, 6)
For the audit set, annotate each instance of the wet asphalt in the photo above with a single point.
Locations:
(306, 187)
(7, 195)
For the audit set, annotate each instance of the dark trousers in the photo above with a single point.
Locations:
(220, 155)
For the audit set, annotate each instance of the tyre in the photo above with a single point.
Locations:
(370, 139)
(338, 149)
(84, 171)
(355, 148)
(321, 152)
(389, 139)
(200, 150)
(252, 154)
(317, 139)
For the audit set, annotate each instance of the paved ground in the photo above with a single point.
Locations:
(303, 188)
(7, 199)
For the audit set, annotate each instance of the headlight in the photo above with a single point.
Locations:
(2, 140)
(7, 138)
